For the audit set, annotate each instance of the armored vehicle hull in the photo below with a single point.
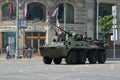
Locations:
(74, 52)
(52, 52)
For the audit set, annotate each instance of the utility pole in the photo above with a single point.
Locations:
(17, 29)
(97, 25)
(114, 13)
(65, 15)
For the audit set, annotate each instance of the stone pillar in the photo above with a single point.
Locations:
(0, 15)
(0, 42)
(49, 34)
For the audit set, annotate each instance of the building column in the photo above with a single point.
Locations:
(0, 42)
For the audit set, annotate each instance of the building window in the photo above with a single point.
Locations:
(69, 12)
(35, 34)
(42, 34)
(28, 34)
(6, 12)
(35, 40)
(6, 36)
(42, 42)
(105, 9)
(36, 11)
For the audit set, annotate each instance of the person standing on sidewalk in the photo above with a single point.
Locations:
(8, 51)
(29, 52)
(24, 51)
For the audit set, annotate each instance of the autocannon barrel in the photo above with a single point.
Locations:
(70, 34)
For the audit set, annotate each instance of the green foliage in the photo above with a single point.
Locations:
(105, 24)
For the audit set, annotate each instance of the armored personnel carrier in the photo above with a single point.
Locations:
(74, 49)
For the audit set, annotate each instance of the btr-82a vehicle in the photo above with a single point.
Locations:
(74, 49)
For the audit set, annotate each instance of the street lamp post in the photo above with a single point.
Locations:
(114, 13)
(65, 15)
(97, 25)
(17, 29)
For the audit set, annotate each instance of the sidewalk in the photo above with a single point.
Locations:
(113, 59)
(3, 56)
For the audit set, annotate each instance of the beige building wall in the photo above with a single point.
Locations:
(83, 17)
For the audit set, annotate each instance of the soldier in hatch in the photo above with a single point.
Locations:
(85, 36)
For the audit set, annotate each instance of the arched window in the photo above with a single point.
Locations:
(69, 13)
(8, 11)
(36, 11)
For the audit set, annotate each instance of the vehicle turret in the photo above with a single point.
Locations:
(65, 35)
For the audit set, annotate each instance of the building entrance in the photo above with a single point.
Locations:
(35, 40)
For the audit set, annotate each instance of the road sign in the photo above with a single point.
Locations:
(114, 11)
(23, 24)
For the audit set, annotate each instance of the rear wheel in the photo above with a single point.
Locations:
(47, 60)
(81, 57)
(92, 57)
(57, 60)
(101, 57)
(71, 58)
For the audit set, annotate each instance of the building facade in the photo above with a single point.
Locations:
(80, 17)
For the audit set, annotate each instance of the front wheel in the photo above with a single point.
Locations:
(47, 60)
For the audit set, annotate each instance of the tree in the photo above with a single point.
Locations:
(105, 24)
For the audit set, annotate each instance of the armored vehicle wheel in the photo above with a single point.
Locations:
(101, 57)
(81, 57)
(71, 58)
(92, 57)
(47, 60)
(57, 60)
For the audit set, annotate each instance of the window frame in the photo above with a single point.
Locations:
(44, 11)
(2, 12)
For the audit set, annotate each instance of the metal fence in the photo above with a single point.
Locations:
(111, 54)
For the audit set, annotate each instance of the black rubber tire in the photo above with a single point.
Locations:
(57, 60)
(92, 57)
(101, 57)
(71, 58)
(47, 60)
(81, 57)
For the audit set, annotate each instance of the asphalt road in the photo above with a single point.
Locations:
(35, 69)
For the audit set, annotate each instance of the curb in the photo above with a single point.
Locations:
(113, 59)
